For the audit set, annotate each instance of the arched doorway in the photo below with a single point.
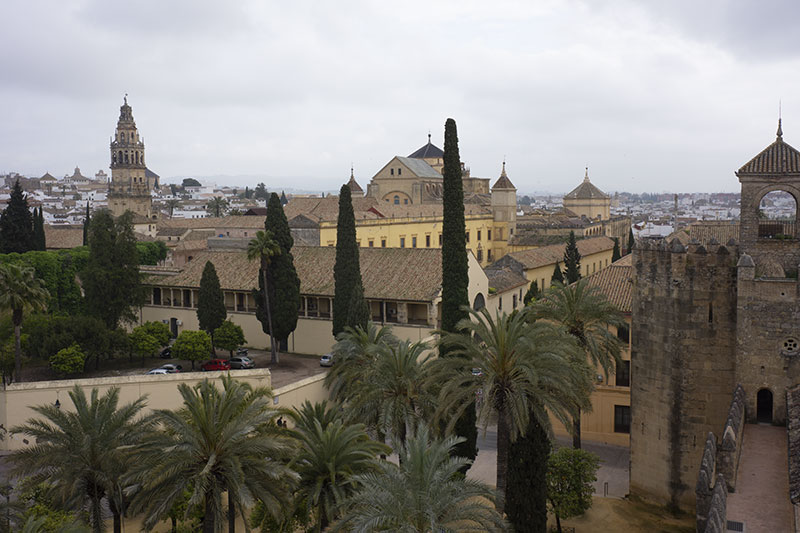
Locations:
(764, 406)
(479, 302)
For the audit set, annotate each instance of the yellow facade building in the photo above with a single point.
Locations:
(588, 201)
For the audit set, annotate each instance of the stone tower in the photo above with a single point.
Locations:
(504, 201)
(128, 189)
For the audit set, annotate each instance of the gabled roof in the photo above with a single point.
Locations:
(548, 255)
(504, 278)
(47, 177)
(503, 182)
(419, 167)
(428, 150)
(616, 283)
(353, 184)
(586, 191)
(777, 158)
(149, 173)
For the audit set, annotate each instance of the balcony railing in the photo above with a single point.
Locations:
(777, 229)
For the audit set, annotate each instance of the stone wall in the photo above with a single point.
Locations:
(793, 410)
(683, 362)
(704, 490)
(730, 449)
(717, 512)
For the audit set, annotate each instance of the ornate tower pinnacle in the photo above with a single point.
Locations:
(128, 189)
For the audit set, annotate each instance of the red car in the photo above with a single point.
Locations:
(216, 364)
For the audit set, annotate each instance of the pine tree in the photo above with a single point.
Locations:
(526, 487)
(282, 279)
(347, 270)
(211, 312)
(16, 223)
(455, 270)
(631, 241)
(558, 276)
(532, 294)
(572, 260)
(86, 221)
(615, 255)
(39, 238)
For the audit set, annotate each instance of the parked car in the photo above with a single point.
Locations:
(241, 362)
(216, 364)
(171, 368)
(166, 353)
(158, 372)
(326, 360)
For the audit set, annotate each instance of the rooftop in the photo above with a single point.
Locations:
(428, 151)
(586, 191)
(777, 158)
(616, 283)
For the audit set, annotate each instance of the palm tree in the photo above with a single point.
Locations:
(171, 204)
(264, 247)
(82, 453)
(425, 493)
(524, 371)
(20, 291)
(220, 440)
(217, 206)
(330, 455)
(588, 316)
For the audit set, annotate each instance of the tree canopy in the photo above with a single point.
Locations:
(282, 278)
(16, 223)
(211, 311)
(347, 269)
(572, 260)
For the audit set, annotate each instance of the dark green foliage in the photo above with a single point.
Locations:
(532, 294)
(16, 223)
(284, 200)
(570, 478)
(86, 220)
(358, 314)
(346, 270)
(572, 260)
(158, 330)
(39, 240)
(48, 334)
(58, 271)
(211, 312)
(68, 360)
(150, 253)
(260, 192)
(190, 182)
(228, 336)
(111, 280)
(558, 276)
(615, 254)
(282, 279)
(142, 343)
(631, 241)
(192, 346)
(526, 491)
(455, 270)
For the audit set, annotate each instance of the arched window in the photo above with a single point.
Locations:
(396, 200)
(126, 157)
(777, 212)
(479, 302)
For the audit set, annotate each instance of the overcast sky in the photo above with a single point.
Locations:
(652, 96)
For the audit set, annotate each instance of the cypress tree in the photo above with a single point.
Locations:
(284, 201)
(86, 221)
(282, 279)
(347, 270)
(532, 294)
(526, 487)
(455, 270)
(39, 238)
(615, 255)
(558, 276)
(358, 313)
(16, 223)
(631, 241)
(211, 312)
(572, 260)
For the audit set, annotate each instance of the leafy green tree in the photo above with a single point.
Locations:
(192, 346)
(615, 254)
(631, 241)
(86, 221)
(223, 439)
(347, 269)
(526, 491)
(282, 278)
(7, 361)
(588, 317)
(158, 330)
(570, 477)
(525, 371)
(81, 452)
(16, 223)
(558, 276)
(49, 334)
(455, 271)
(264, 247)
(37, 512)
(190, 182)
(171, 204)
(260, 192)
(532, 294)
(20, 291)
(572, 260)
(425, 493)
(111, 279)
(211, 312)
(68, 360)
(228, 336)
(142, 343)
(217, 206)
(39, 240)
(150, 253)
(331, 453)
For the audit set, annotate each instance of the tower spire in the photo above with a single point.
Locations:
(780, 130)
(586, 176)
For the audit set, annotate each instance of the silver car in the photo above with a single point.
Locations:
(326, 360)
(241, 362)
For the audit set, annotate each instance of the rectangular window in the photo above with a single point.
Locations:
(513, 301)
(480, 254)
(371, 243)
(467, 237)
(399, 171)
(488, 235)
(499, 303)
(413, 241)
(606, 261)
(623, 334)
(479, 234)
(156, 296)
(391, 171)
(440, 239)
(622, 419)
(489, 254)
(623, 374)
(383, 243)
(427, 241)
(402, 242)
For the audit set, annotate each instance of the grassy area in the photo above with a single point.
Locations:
(610, 514)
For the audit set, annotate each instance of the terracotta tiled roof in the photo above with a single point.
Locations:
(777, 158)
(410, 274)
(63, 237)
(213, 223)
(548, 255)
(504, 279)
(390, 210)
(503, 182)
(722, 230)
(615, 282)
(586, 191)
(353, 184)
(327, 209)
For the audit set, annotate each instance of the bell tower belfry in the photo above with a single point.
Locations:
(128, 190)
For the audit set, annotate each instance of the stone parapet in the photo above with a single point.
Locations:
(705, 481)
(717, 513)
(731, 447)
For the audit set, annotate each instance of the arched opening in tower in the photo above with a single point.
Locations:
(777, 216)
(764, 406)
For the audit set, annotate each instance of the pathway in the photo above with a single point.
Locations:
(761, 499)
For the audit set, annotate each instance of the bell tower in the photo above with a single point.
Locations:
(128, 190)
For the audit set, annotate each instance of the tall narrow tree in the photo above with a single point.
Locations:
(558, 275)
(86, 220)
(347, 269)
(282, 279)
(455, 271)
(16, 223)
(615, 254)
(39, 240)
(20, 291)
(631, 241)
(264, 248)
(211, 312)
(572, 260)
(526, 489)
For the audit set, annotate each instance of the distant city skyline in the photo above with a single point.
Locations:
(671, 96)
